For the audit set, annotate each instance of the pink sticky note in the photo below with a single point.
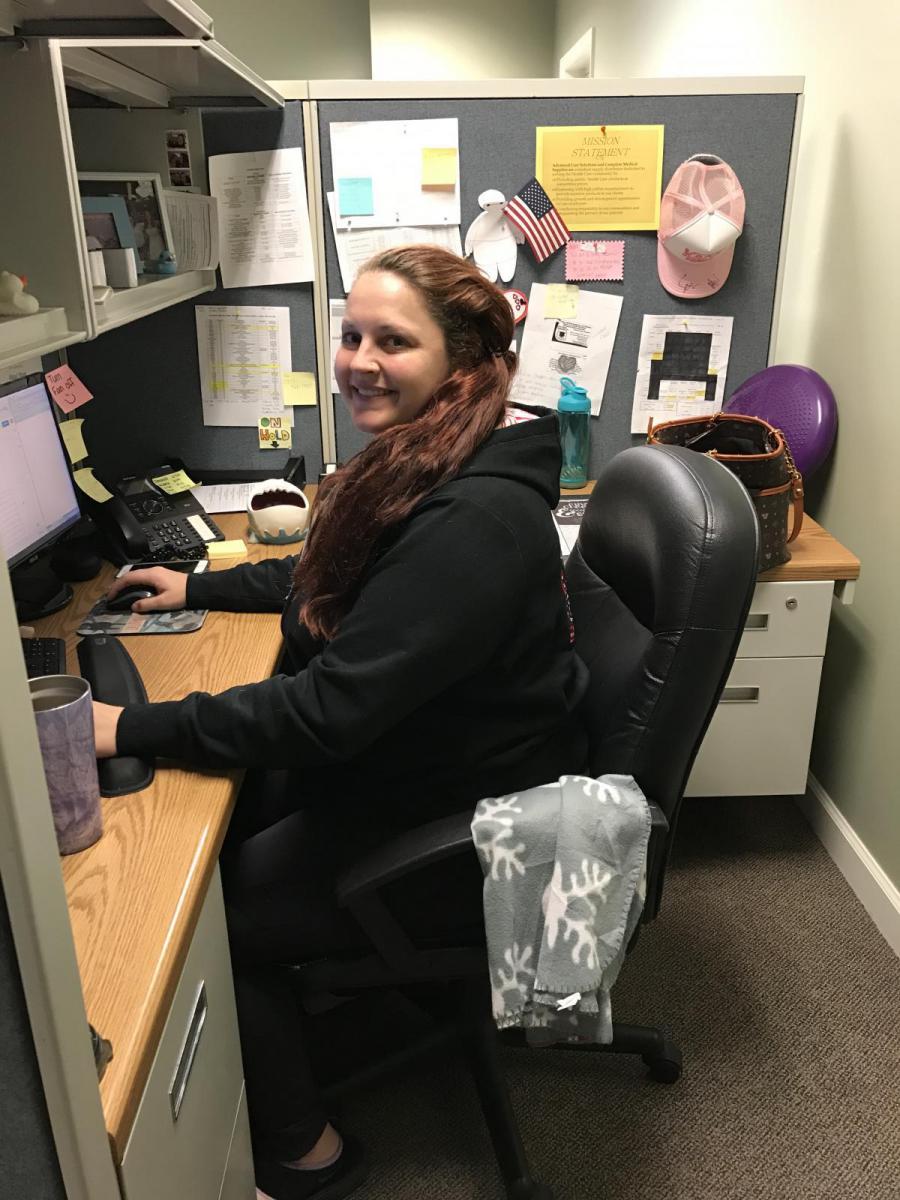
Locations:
(595, 260)
(67, 389)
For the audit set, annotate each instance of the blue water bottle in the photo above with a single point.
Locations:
(574, 433)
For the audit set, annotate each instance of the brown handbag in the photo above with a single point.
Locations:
(759, 455)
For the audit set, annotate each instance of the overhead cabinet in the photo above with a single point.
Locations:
(44, 80)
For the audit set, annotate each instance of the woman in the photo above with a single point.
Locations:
(429, 662)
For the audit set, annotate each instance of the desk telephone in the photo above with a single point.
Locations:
(141, 523)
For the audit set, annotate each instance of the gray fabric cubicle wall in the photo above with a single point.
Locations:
(145, 376)
(497, 149)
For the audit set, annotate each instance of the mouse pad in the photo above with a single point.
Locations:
(99, 620)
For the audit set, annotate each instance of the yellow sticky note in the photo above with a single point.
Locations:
(439, 168)
(73, 438)
(91, 485)
(298, 387)
(561, 300)
(174, 482)
(274, 433)
(233, 549)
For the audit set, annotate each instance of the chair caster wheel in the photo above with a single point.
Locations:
(665, 1066)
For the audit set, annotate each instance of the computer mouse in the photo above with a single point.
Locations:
(123, 600)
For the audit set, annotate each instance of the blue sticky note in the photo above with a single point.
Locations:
(355, 198)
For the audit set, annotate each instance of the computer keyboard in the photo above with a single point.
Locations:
(108, 667)
(44, 656)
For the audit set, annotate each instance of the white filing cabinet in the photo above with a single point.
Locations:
(760, 737)
(190, 1139)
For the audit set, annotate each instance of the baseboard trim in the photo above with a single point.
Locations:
(875, 891)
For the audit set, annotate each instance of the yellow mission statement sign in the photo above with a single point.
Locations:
(602, 177)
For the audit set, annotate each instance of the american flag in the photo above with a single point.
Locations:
(532, 211)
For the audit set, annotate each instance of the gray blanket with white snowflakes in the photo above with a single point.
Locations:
(565, 875)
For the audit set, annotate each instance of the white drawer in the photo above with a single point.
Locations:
(788, 620)
(184, 1157)
(759, 740)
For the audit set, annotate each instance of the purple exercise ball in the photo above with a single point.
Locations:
(799, 402)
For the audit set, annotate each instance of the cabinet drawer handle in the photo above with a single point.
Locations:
(179, 1083)
(740, 695)
(757, 621)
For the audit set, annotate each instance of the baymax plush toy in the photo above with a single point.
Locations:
(491, 240)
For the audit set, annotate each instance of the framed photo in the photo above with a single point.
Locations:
(106, 220)
(142, 196)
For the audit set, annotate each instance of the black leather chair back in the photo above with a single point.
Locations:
(660, 583)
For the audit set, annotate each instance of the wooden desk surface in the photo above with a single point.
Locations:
(135, 895)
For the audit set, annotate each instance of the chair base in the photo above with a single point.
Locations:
(659, 1053)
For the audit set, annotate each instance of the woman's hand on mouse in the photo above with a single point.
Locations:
(106, 720)
(171, 588)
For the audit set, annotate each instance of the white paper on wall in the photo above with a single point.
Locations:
(579, 347)
(264, 234)
(356, 246)
(243, 352)
(390, 155)
(336, 311)
(682, 363)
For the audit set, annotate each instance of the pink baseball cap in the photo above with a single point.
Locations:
(701, 217)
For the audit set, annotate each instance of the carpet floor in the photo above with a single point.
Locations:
(786, 1003)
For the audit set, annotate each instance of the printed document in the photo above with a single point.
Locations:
(682, 362)
(355, 246)
(336, 310)
(579, 346)
(264, 232)
(384, 162)
(243, 354)
(194, 222)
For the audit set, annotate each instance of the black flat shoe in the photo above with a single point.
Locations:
(329, 1183)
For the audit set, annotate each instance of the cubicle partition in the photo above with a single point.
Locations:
(145, 376)
(752, 129)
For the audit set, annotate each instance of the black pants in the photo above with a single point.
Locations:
(279, 864)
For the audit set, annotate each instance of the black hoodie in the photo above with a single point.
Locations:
(452, 677)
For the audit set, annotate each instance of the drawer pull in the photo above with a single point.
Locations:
(757, 621)
(179, 1083)
(740, 695)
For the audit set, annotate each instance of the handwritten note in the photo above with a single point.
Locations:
(174, 482)
(73, 439)
(298, 388)
(561, 300)
(439, 168)
(274, 433)
(91, 485)
(67, 389)
(595, 260)
(355, 197)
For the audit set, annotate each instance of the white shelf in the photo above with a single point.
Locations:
(35, 334)
(154, 292)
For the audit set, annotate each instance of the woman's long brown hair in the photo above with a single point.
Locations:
(381, 485)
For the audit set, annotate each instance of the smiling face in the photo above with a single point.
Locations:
(393, 354)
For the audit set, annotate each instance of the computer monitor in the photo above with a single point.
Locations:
(37, 496)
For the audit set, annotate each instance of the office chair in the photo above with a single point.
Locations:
(660, 583)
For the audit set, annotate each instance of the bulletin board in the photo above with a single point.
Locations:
(145, 376)
(753, 132)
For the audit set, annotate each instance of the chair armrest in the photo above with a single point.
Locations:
(405, 853)
(658, 821)
(418, 848)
